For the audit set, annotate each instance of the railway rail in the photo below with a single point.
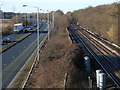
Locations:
(107, 53)
(104, 41)
(96, 50)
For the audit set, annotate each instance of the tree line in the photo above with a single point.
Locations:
(102, 20)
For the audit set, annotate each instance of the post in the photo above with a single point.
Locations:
(27, 18)
(1, 27)
(40, 15)
(53, 18)
(102, 81)
(38, 33)
(48, 27)
(44, 14)
(15, 14)
(97, 77)
(38, 48)
(87, 63)
(90, 82)
(16, 18)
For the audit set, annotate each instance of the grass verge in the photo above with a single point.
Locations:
(54, 62)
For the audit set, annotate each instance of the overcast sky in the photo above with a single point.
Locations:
(64, 5)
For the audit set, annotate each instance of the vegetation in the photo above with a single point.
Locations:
(55, 57)
(9, 20)
(59, 53)
(102, 20)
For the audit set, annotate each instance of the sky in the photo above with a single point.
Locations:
(51, 5)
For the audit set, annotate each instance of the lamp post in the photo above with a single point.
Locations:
(1, 27)
(2, 17)
(48, 15)
(41, 15)
(48, 26)
(38, 49)
(15, 14)
(53, 18)
(44, 14)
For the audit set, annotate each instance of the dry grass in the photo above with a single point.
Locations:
(57, 56)
(7, 26)
(50, 71)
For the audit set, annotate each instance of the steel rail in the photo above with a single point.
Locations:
(101, 39)
(102, 54)
(117, 82)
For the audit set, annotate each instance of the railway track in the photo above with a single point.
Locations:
(102, 40)
(108, 54)
(96, 50)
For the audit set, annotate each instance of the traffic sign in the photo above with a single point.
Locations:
(43, 31)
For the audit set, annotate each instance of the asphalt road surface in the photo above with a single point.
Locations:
(13, 37)
(14, 58)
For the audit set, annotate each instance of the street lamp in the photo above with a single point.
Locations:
(37, 28)
(2, 17)
(1, 28)
(0, 6)
(48, 26)
(49, 21)
(53, 18)
(44, 14)
(41, 15)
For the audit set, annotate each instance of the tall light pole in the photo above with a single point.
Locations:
(1, 27)
(2, 17)
(15, 14)
(41, 15)
(53, 18)
(25, 19)
(0, 6)
(38, 48)
(44, 14)
(48, 26)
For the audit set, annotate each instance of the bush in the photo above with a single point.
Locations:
(102, 20)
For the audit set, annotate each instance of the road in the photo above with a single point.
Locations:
(13, 37)
(15, 57)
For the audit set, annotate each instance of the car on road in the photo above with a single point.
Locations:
(6, 40)
(35, 25)
(26, 29)
(31, 27)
